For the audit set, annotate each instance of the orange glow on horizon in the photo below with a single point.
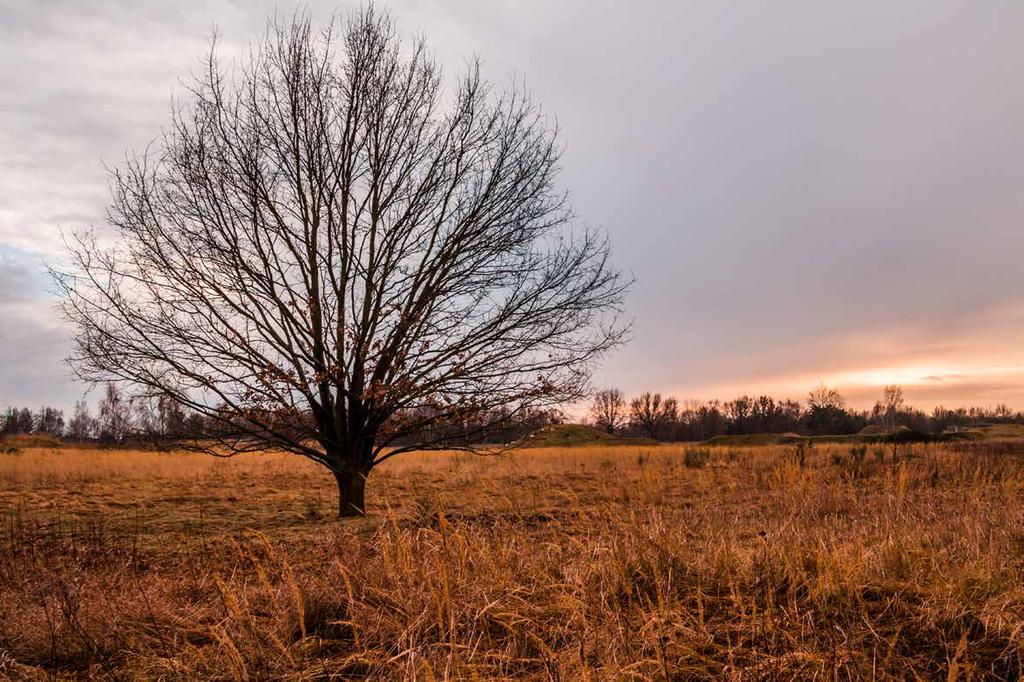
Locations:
(920, 375)
(925, 385)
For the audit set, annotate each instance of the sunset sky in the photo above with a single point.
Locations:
(805, 192)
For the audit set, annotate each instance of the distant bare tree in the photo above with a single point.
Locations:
(608, 409)
(826, 398)
(649, 412)
(326, 253)
(114, 424)
(50, 420)
(160, 419)
(172, 419)
(827, 414)
(892, 402)
(740, 413)
(82, 425)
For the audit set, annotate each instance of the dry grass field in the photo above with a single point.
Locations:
(612, 562)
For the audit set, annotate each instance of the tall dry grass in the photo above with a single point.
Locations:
(666, 562)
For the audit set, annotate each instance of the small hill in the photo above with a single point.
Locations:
(569, 435)
(29, 440)
(995, 432)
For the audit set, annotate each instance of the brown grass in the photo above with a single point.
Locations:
(591, 563)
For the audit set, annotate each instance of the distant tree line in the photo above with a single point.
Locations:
(825, 412)
(120, 419)
(23, 420)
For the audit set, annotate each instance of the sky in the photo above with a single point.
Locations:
(805, 192)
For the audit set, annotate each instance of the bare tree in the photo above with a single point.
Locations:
(171, 418)
(158, 420)
(114, 425)
(649, 412)
(82, 425)
(892, 402)
(825, 398)
(609, 409)
(827, 414)
(49, 420)
(327, 253)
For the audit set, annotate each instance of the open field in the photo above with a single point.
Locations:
(581, 563)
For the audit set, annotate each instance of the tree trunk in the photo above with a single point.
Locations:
(351, 492)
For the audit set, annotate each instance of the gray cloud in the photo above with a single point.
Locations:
(31, 335)
(19, 277)
(801, 188)
(32, 372)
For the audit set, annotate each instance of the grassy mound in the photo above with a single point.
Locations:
(562, 435)
(995, 432)
(29, 440)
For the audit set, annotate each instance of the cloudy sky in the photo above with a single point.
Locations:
(806, 192)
